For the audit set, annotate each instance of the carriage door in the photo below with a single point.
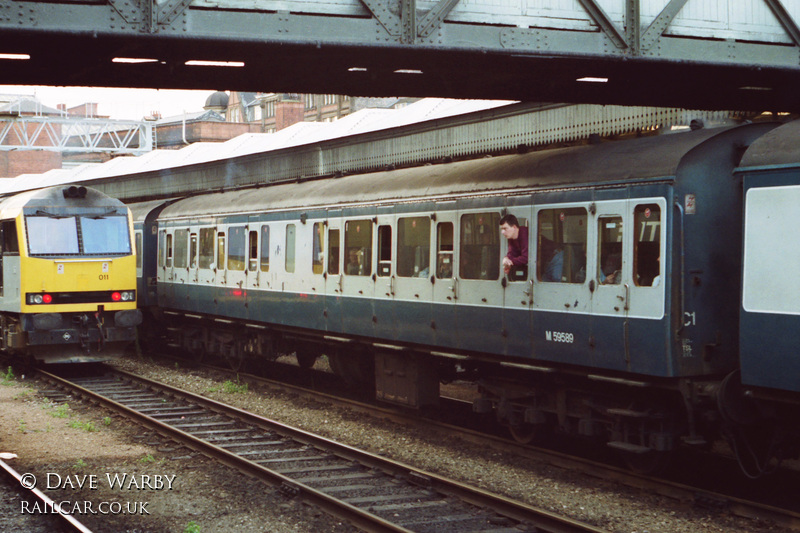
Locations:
(206, 266)
(413, 289)
(518, 295)
(313, 248)
(479, 311)
(220, 273)
(385, 277)
(561, 292)
(646, 307)
(180, 263)
(253, 264)
(445, 286)
(610, 278)
(333, 269)
(166, 287)
(194, 271)
(359, 276)
(236, 267)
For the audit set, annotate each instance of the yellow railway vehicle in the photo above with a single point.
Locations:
(67, 275)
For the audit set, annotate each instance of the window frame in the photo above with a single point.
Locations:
(547, 254)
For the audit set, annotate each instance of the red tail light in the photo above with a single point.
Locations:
(116, 296)
(46, 298)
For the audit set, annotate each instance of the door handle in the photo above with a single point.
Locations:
(391, 287)
(454, 288)
(627, 296)
(529, 292)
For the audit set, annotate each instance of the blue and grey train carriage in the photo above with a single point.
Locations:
(67, 276)
(770, 305)
(621, 328)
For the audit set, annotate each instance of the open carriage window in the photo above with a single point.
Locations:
(384, 251)
(609, 239)
(317, 253)
(444, 250)
(333, 252)
(647, 245)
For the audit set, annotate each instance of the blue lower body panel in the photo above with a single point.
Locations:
(604, 342)
(770, 354)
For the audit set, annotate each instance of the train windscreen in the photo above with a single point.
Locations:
(74, 236)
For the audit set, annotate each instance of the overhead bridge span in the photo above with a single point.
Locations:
(711, 54)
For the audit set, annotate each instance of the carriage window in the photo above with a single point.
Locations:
(138, 249)
(333, 252)
(609, 239)
(264, 248)
(252, 246)
(479, 252)
(206, 247)
(358, 244)
(444, 250)
(384, 251)
(413, 247)
(162, 247)
(317, 254)
(220, 251)
(647, 245)
(291, 230)
(181, 247)
(10, 240)
(561, 245)
(169, 250)
(192, 250)
(236, 248)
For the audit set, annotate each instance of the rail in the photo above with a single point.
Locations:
(409, 498)
(68, 522)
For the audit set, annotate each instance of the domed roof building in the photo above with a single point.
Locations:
(217, 101)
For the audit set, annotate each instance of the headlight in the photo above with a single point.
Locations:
(37, 298)
(128, 296)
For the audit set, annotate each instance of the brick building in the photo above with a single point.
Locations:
(224, 116)
(276, 111)
(15, 162)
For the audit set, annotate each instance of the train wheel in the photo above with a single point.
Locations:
(525, 433)
(356, 369)
(647, 463)
(306, 358)
(235, 361)
(200, 354)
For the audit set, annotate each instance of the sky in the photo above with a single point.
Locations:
(120, 104)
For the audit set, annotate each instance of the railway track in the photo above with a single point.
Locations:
(740, 505)
(373, 493)
(37, 513)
